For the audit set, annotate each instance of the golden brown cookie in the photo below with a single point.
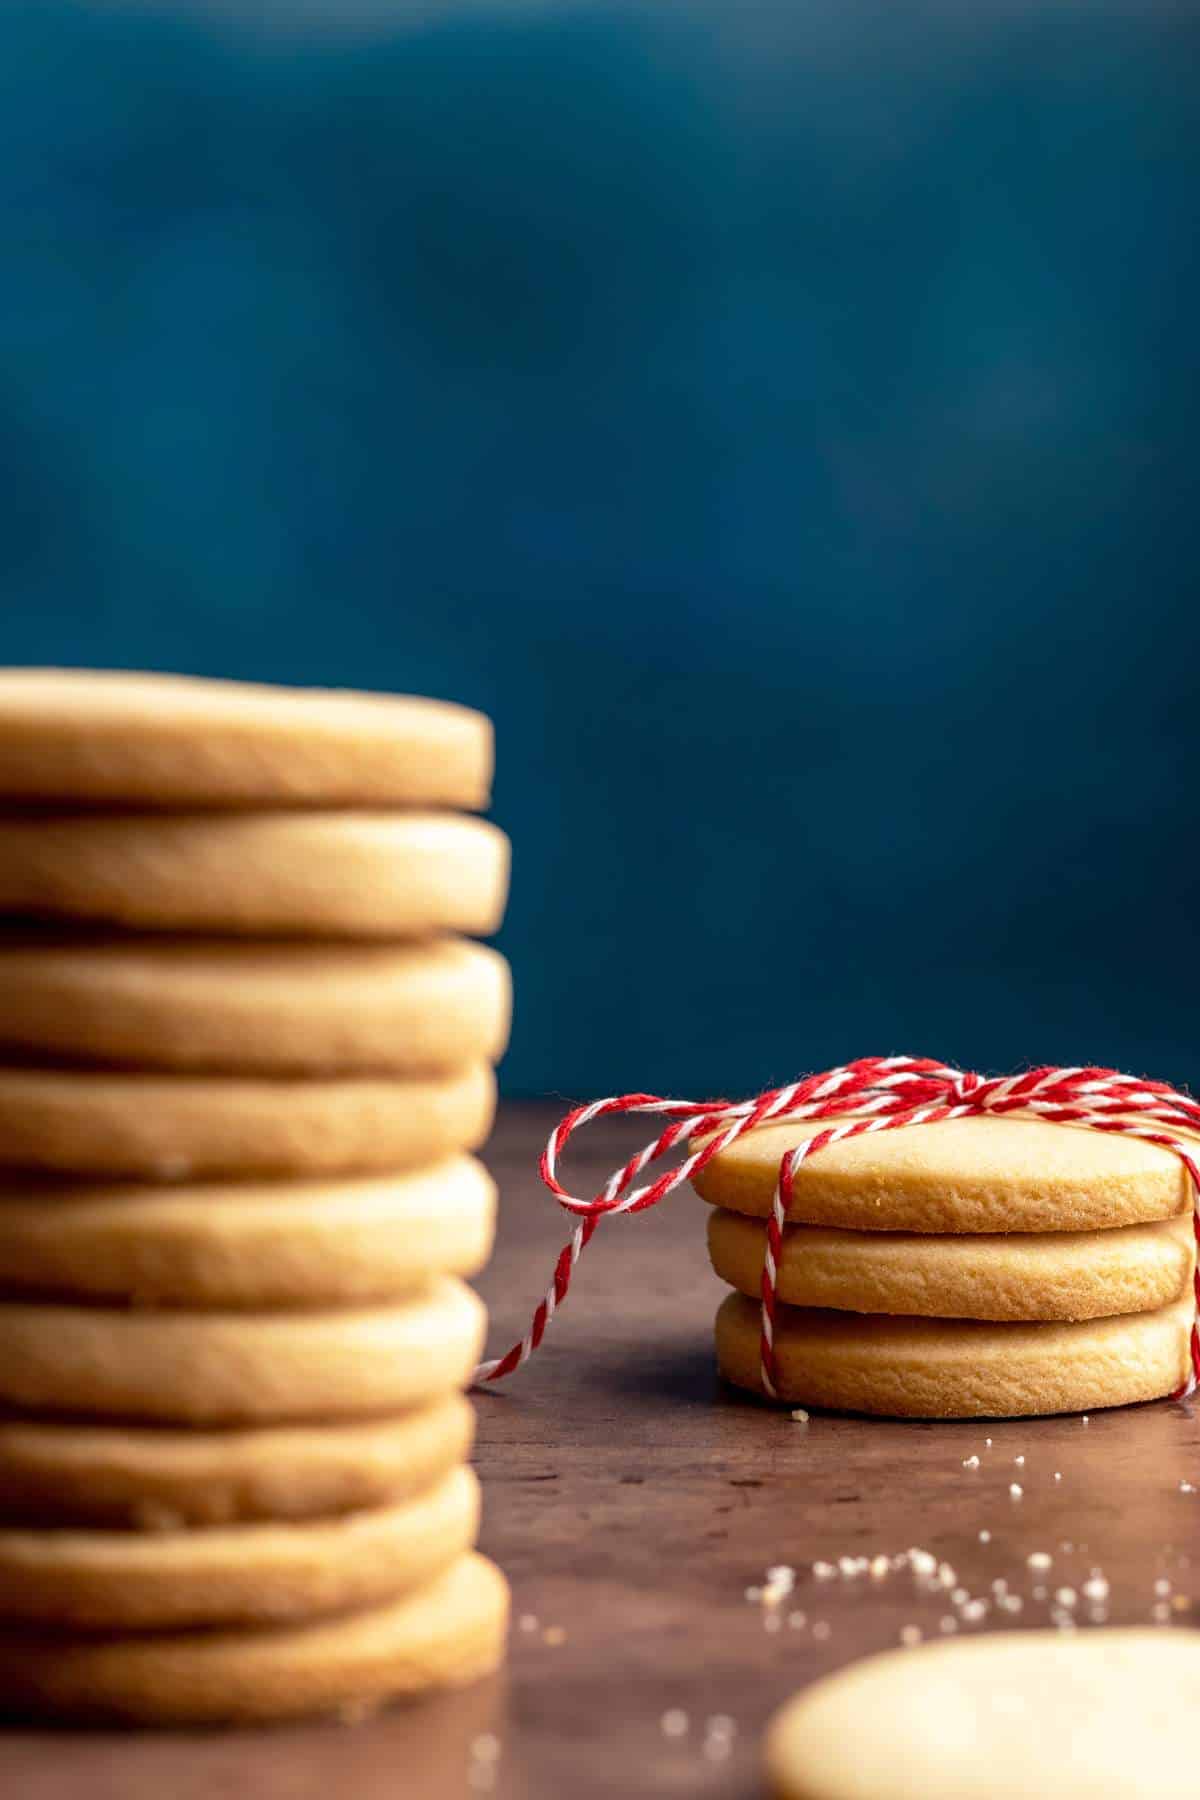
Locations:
(246, 1244)
(243, 1006)
(184, 1127)
(239, 1368)
(957, 1368)
(973, 1175)
(1095, 1715)
(294, 874)
(444, 1635)
(115, 737)
(150, 1478)
(259, 1574)
(1014, 1275)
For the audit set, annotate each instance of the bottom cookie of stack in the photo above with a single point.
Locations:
(447, 1633)
(907, 1367)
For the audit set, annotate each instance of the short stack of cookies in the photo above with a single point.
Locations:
(246, 1057)
(995, 1266)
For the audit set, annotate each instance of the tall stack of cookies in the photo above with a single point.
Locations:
(247, 1056)
(995, 1266)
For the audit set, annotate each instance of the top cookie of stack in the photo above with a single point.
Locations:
(244, 1056)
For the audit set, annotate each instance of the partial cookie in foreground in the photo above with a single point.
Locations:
(251, 1574)
(117, 737)
(1095, 1715)
(297, 874)
(209, 1368)
(238, 1006)
(972, 1175)
(445, 1635)
(151, 1478)
(1013, 1275)
(957, 1368)
(248, 1244)
(158, 1127)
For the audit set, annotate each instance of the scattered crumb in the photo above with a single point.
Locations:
(1015, 1489)
(797, 1620)
(821, 1630)
(486, 1747)
(1020, 1461)
(1084, 1419)
(674, 1723)
(879, 1567)
(1065, 1596)
(987, 1443)
(1162, 1585)
(970, 1462)
(554, 1635)
(527, 1622)
(910, 1635)
(975, 1610)
(985, 1536)
(947, 1625)
(1096, 1587)
(824, 1571)
(1186, 1487)
(1058, 1474)
(800, 1416)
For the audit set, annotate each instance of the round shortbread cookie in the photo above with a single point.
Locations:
(112, 736)
(240, 1368)
(149, 1478)
(971, 1175)
(957, 1368)
(1013, 1275)
(298, 874)
(300, 1243)
(258, 1574)
(247, 1007)
(444, 1635)
(1095, 1715)
(177, 1127)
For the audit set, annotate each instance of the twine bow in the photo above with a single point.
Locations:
(883, 1093)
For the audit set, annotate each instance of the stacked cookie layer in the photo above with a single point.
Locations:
(988, 1266)
(247, 1057)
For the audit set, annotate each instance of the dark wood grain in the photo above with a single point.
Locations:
(633, 1501)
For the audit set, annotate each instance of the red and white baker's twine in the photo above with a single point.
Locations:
(883, 1093)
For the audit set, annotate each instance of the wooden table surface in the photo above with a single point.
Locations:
(633, 1503)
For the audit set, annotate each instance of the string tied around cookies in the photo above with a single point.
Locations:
(875, 1093)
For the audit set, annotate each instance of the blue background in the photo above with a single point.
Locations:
(780, 418)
